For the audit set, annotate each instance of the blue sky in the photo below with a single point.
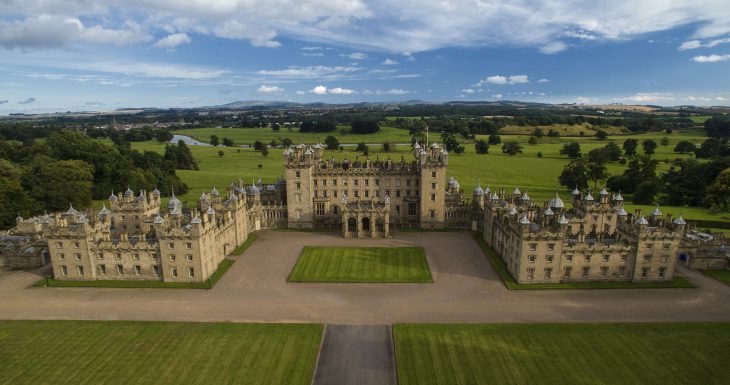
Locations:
(102, 55)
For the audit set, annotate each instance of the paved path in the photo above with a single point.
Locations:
(466, 289)
(356, 355)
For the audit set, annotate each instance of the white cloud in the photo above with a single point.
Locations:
(497, 96)
(269, 90)
(355, 56)
(314, 54)
(711, 58)
(583, 100)
(310, 72)
(553, 47)
(341, 91)
(389, 62)
(311, 48)
(300, 92)
(503, 80)
(172, 41)
(468, 91)
(319, 90)
(694, 44)
(721, 99)
(543, 80)
(392, 91)
(649, 97)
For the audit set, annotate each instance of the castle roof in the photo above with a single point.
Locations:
(196, 220)
(562, 220)
(141, 196)
(478, 191)
(604, 192)
(71, 210)
(129, 192)
(156, 191)
(656, 212)
(104, 210)
(517, 191)
(621, 212)
(112, 198)
(642, 221)
(525, 197)
(524, 220)
(548, 211)
(203, 196)
(214, 192)
(556, 202)
(618, 197)
(513, 211)
(576, 191)
(159, 219)
(588, 197)
(210, 211)
(679, 220)
(174, 202)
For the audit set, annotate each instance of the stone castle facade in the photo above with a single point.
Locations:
(136, 239)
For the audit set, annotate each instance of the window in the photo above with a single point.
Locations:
(191, 272)
(377, 182)
(397, 193)
(59, 245)
(531, 258)
(387, 192)
(77, 257)
(367, 182)
(64, 271)
(604, 272)
(377, 193)
(118, 256)
(644, 272)
(120, 269)
(100, 256)
(357, 182)
(587, 258)
(605, 257)
(549, 259)
(433, 197)
(433, 214)
(530, 273)
(135, 256)
(324, 182)
(649, 245)
(567, 272)
(623, 258)
(320, 209)
(586, 272)
(156, 270)
(357, 194)
(647, 258)
(316, 193)
(80, 271)
(137, 269)
(297, 174)
(408, 182)
(188, 245)
(335, 209)
(397, 210)
(334, 182)
(189, 257)
(533, 246)
(665, 259)
(408, 192)
(173, 271)
(569, 258)
(102, 269)
(433, 174)
(367, 193)
(299, 186)
(667, 246)
(621, 271)
(299, 198)
(334, 193)
(662, 272)
(61, 256)
(412, 209)
(548, 273)
(433, 186)
(172, 257)
(324, 193)
(170, 245)
(76, 245)
(315, 183)
(551, 246)
(298, 214)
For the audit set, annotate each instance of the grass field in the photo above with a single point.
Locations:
(361, 264)
(720, 275)
(536, 175)
(137, 284)
(250, 135)
(117, 352)
(510, 283)
(565, 129)
(544, 354)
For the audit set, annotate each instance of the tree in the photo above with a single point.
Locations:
(712, 148)
(275, 127)
(227, 142)
(361, 126)
(645, 192)
(214, 141)
(494, 140)
(571, 150)
(613, 150)
(601, 135)
(532, 140)
(538, 132)
(163, 136)
(481, 146)
(388, 147)
(649, 146)
(286, 142)
(451, 144)
(664, 141)
(511, 148)
(257, 145)
(575, 174)
(362, 147)
(718, 127)
(630, 146)
(264, 151)
(58, 183)
(181, 156)
(13, 198)
(539, 154)
(221, 153)
(319, 126)
(274, 143)
(684, 147)
(332, 143)
(718, 194)
(553, 134)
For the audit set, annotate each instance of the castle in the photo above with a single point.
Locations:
(134, 239)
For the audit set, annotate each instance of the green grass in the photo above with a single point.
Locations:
(565, 129)
(245, 245)
(137, 284)
(544, 354)
(509, 281)
(538, 176)
(361, 264)
(250, 135)
(720, 275)
(120, 352)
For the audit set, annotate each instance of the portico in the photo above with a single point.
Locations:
(366, 219)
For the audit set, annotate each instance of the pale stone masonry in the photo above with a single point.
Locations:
(594, 240)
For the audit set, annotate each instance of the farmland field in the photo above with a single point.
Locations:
(361, 264)
(119, 352)
(650, 353)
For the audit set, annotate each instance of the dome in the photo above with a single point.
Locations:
(210, 211)
(214, 192)
(174, 202)
(642, 221)
(253, 190)
(656, 212)
(513, 211)
(562, 220)
(618, 197)
(81, 218)
(679, 220)
(141, 196)
(156, 192)
(524, 220)
(434, 145)
(159, 219)
(556, 202)
(576, 191)
(495, 196)
(129, 192)
(517, 191)
(525, 197)
(203, 197)
(112, 198)
(487, 191)
(71, 210)
(548, 211)
(417, 146)
(604, 192)
(456, 184)
(176, 211)
(478, 191)
(104, 211)
(588, 197)
(234, 197)
(196, 220)
(621, 212)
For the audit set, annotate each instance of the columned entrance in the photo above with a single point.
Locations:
(366, 219)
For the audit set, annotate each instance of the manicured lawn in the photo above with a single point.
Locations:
(544, 354)
(510, 283)
(118, 352)
(265, 135)
(720, 275)
(222, 269)
(245, 245)
(361, 264)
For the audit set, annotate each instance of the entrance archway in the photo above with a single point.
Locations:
(352, 225)
(366, 224)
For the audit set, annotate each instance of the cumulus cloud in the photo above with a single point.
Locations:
(649, 97)
(543, 80)
(341, 91)
(27, 101)
(711, 58)
(503, 80)
(269, 90)
(468, 90)
(319, 90)
(172, 41)
(389, 62)
(694, 44)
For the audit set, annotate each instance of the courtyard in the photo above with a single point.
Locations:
(465, 289)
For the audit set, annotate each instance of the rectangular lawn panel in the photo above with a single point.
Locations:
(120, 352)
(544, 354)
(361, 264)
